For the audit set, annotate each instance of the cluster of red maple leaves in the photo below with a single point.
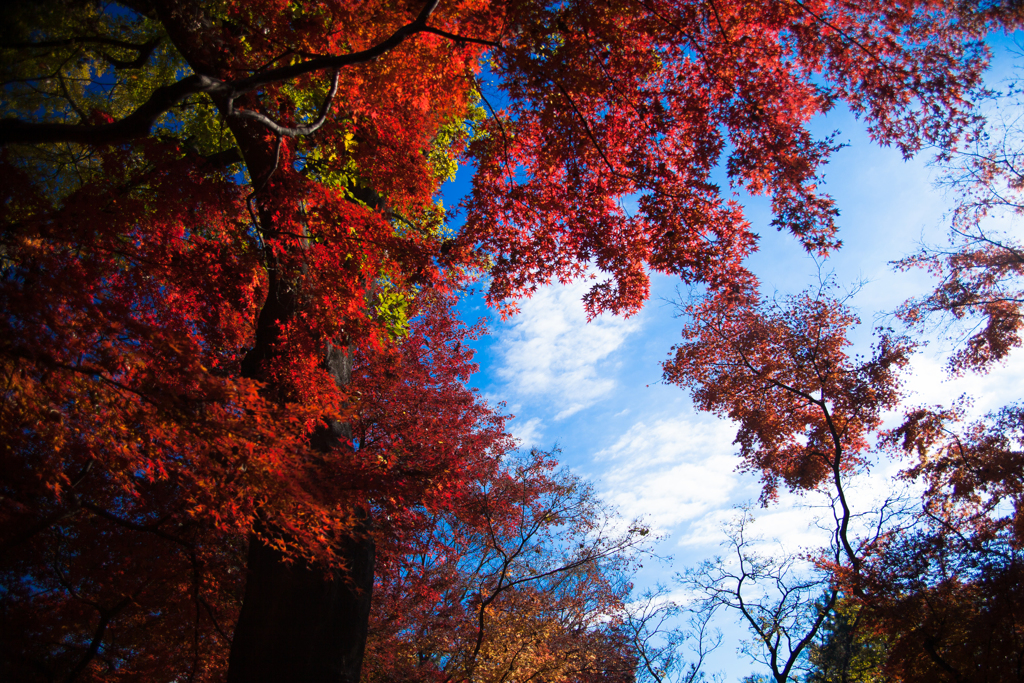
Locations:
(235, 390)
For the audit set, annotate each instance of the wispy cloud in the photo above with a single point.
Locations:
(527, 433)
(550, 352)
(671, 470)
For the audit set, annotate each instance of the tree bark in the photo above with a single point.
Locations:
(298, 622)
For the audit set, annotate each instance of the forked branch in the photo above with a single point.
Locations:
(141, 121)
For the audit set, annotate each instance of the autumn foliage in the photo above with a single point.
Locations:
(929, 592)
(977, 297)
(522, 577)
(227, 289)
(618, 115)
(781, 369)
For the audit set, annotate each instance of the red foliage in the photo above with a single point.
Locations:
(141, 539)
(618, 116)
(945, 591)
(979, 292)
(938, 588)
(806, 410)
(165, 326)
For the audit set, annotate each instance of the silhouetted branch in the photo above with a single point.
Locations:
(138, 123)
(143, 50)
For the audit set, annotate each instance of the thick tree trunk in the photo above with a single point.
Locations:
(299, 624)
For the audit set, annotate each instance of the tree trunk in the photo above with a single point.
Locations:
(300, 624)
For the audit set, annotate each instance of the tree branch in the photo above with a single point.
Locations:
(143, 50)
(460, 39)
(284, 131)
(138, 123)
(105, 616)
(142, 528)
(135, 125)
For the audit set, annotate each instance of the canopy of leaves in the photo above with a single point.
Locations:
(226, 284)
(521, 578)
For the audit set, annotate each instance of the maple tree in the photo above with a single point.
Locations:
(217, 215)
(702, 85)
(522, 578)
(933, 591)
(945, 591)
(978, 296)
(183, 572)
(781, 370)
(148, 356)
(944, 594)
(937, 585)
(809, 417)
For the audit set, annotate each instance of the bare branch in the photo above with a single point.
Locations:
(284, 131)
(779, 603)
(140, 122)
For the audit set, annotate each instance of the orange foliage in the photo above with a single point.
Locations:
(806, 409)
(520, 578)
(167, 316)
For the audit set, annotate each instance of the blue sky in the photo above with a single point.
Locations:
(594, 389)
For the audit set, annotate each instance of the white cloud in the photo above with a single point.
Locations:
(804, 521)
(550, 351)
(787, 528)
(671, 470)
(527, 433)
(930, 384)
(708, 529)
(790, 528)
